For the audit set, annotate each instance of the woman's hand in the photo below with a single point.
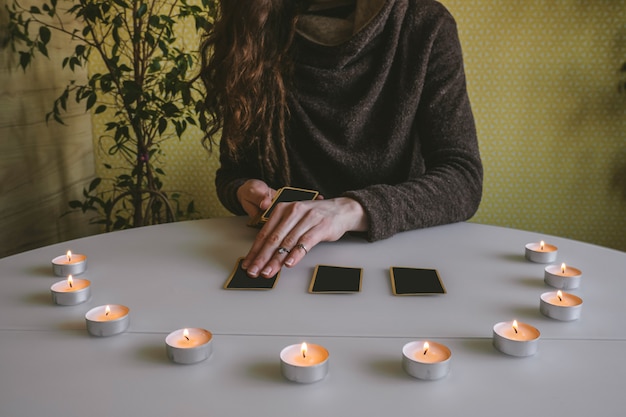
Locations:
(296, 228)
(255, 197)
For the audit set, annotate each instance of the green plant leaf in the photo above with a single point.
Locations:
(80, 50)
(162, 125)
(24, 59)
(94, 183)
(41, 47)
(44, 34)
(111, 126)
(143, 8)
(91, 100)
(154, 21)
(131, 91)
(170, 109)
(121, 3)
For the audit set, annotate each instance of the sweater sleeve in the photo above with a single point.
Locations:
(231, 174)
(450, 188)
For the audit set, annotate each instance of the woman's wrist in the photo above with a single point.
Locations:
(357, 220)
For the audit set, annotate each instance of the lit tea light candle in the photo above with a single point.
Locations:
(188, 346)
(304, 363)
(426, 360)
(71, 291)
(107, 320)
(515, 339)
(69, 264)
(564, 277)
(541, 252)
(560, 305)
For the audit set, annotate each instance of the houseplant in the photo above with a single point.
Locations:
(146, 93)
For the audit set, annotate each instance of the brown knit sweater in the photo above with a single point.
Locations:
(383, 118)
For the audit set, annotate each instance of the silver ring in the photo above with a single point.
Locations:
(301, 246)
(282, 250)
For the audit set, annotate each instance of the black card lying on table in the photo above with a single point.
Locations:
(415, 281)
(239, 280)
(335, 279)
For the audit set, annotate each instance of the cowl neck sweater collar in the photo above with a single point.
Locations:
(319, 25)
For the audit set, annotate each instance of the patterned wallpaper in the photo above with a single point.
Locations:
(542, 78)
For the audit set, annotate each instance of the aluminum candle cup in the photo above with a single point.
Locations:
(188, 346)
(426, 360)
(107, 320)
(563, 306)
(541, 252)
(71, 291)
(523, 342)
(69, 264)
(304, 368)
(562, 277)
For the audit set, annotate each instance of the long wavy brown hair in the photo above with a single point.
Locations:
(246, 66)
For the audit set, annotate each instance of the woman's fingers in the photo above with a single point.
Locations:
(274, 240)
(295, 228)
(255, 196)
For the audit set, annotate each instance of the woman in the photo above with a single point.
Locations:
(364, 101)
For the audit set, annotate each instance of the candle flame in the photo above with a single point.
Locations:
(107, 310)
(304, 349)
(186, 334)
(563, 268)
(426, 347)
(70, 281)
(542, 244)
(559, 295)
(69, 255)
(515, 326)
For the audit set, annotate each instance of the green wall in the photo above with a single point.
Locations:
(543, 79)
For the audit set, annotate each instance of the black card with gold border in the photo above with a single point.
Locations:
(415, 281)
(336, 279)
(287, 195)
(240, 280)
(283, 195)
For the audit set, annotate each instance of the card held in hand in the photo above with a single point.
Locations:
(239, 280)
(415, 281)
(283, 195)
(336, 279)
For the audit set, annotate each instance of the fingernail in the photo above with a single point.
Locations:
(289, 262)
(267, 271)
(254, 271)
